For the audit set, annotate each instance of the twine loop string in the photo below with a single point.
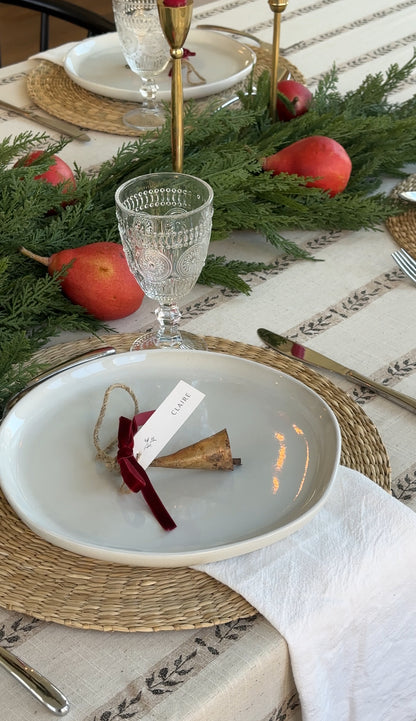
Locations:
(104, 454)
(133, 474)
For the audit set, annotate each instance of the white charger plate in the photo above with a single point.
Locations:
(286, 435)
(97, 64)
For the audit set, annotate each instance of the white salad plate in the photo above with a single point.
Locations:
(287, 437)
(97, 64)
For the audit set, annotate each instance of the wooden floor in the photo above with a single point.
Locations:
(20, 28)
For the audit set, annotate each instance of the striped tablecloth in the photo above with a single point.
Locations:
(356, 307)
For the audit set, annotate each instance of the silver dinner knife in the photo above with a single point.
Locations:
(66, 365)
(54, 123)
(33, 681)
(295, 350)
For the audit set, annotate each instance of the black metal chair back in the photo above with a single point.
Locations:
(94, 23)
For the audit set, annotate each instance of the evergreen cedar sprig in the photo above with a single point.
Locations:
(226, 149)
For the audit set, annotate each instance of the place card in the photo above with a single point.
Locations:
(166, 420)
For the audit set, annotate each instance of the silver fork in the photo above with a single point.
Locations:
(405, 262)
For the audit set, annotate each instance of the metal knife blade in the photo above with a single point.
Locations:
(94, 354)
(294, 350)
(282, 73)
(230, 31)
(54, 123)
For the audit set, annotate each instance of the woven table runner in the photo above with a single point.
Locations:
(53, 584)
(52, 89)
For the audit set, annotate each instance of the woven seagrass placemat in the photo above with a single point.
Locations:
(403, 227)
(56, 585)
(53, 90)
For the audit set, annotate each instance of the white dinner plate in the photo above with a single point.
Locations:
(286, 435)
(97, 64)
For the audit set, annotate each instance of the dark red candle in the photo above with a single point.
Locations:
(174, 3)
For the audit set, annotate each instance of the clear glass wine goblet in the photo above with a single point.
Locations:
(164, 221)
(146, 51)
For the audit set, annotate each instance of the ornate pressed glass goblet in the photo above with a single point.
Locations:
(164, 221)
(146, 50)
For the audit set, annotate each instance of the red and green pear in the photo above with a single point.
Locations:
(98, 279)
(298, 94)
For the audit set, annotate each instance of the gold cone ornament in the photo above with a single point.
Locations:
(211, 454)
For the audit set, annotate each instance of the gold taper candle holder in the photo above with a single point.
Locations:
(175, 23)
(277, 6)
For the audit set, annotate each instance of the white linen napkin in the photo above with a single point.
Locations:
(342, 592)
(55, 55)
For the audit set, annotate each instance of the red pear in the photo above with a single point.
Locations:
(299, 95)
(316, 157)
(98, 279)
(58, 171)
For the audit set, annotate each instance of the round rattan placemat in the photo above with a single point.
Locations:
(56, 585)
(403, 227)
(53, 90)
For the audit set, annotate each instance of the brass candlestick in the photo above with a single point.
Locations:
(175, 22)
(277, 6)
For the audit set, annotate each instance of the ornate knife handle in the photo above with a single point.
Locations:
(33, 681)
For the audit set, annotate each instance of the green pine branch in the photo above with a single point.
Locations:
(220, 271)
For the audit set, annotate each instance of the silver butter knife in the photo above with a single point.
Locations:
(295, 350)
(282, 74)
(33, 681)
(54, 123)
(231, 31)
(66, 365)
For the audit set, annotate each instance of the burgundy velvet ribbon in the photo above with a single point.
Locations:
(134, 476)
